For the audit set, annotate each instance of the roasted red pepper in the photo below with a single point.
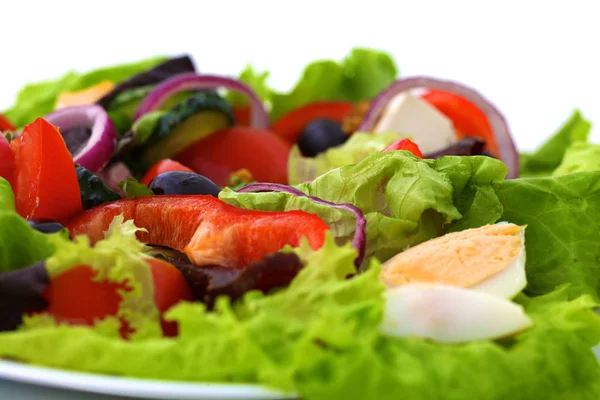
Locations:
(208, 230)
(46, 184)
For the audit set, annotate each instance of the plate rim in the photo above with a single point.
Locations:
(131, 387)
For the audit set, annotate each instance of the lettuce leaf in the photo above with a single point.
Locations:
(579, 157)
(360, 145)
(319, 338)
(20, 244)
(360, 76)
(550, 154)
(563, 244)
(39, 99)
(406, 200)
(133, 188)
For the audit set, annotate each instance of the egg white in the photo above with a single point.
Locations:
(450, 314)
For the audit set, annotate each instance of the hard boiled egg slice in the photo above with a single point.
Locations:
(489, 259)
(450, 314)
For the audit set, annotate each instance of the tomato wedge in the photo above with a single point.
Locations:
(290, 126)
(225, 152)
(467, 118)
(7, 161)
(205, 228)
(5, 124)
(164, 165)
(76, 297)
(46, 181)
(405, 144)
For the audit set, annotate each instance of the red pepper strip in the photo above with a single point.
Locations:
(5, 124)
(405, 144)
(467, 118)
(208, 230)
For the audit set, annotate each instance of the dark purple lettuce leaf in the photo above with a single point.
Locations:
(22, 291)
(167, 69)
(209, 282)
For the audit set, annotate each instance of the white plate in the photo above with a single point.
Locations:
(21, 381)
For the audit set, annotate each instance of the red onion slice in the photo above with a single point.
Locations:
(99, 148)
(508, 149)
(184, 82)
(360, 234)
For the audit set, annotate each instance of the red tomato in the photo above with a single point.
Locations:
(405, 144)
(46, 181)
(7, 161)
(290, 126)
(5, 124)
(74, 297)
(164, 165)
(222, 153)
(242, 116)
(467, 118)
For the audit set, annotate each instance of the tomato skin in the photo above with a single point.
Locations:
(7, 162)
(74, 297)
(222, 153)
(405, 144)
(242, 116)
(5, 124)
(164, 165)
(46, 180)
(467, 118)
(289, 127)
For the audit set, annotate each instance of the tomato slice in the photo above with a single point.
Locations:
(290, 126)
(467, 118)
(5, 124)
(208, 230)
(76, 297)
(46, 181)
(405, 144)
(225, 152)
(242, 116)
(7, 161)
(164, 165)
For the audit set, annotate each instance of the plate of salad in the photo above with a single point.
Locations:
(167, 233)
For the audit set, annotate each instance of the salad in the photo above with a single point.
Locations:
(364, 235)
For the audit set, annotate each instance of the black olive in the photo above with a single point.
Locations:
(46, 226)
(320, 135)
(183, 182)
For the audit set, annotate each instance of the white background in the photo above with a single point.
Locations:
(537, 60)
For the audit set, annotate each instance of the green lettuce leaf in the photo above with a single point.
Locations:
(550, 154)
(132, 188)
(360, 76)
(579, 157)
(360, 145)
(406, 200)
(39, 99)
(319, 338)
(7, 198)
(20, 244)
(562, 240)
